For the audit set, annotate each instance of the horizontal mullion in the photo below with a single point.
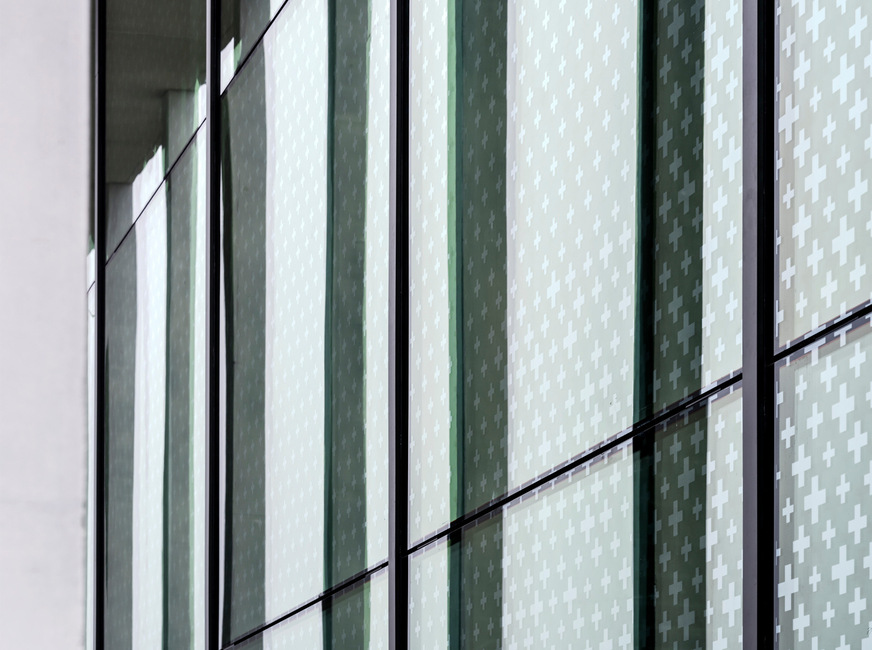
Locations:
(824, 331)
(335, 590)
(163, 181)
(592, 454)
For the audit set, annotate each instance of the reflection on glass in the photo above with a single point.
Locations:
(694, 267)
(575, 255)
(824, 549)
(243, 22)
(305, 199)
(155, 403)
(354, 618)
(155, 99)
(823, 165)
(641, 548)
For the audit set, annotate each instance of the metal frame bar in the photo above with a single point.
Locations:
(758, 321)
(213, 331)
(99, 198)
(398, 328)
(638, 430)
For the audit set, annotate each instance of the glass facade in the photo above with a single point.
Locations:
(440, 323)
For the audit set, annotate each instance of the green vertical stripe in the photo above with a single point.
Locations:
(455, 254)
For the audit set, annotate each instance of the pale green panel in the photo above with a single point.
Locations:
(824, 553)
(295, 56)
(722, 192)
(377, 280)
(305, 630)
(354, 618)
(824, 150)
(378, 636)
(697, 211)
(571, 174)
(198, 408)
(428, 598)
(723, 523)
(358, 617)
(149, 425)
(691, 564)
(430, 472)
(568, 561)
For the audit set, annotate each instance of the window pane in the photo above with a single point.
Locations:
(824, 543)
(824, 223)
(575, 246)
(695, 272)
(354, 618)
(306, 273)
(155, 430)
(155, 99)
(642, 547)
(243, 23)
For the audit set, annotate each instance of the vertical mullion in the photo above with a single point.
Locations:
(758, 322)
(643, 389)
(399, 327)
(99, 198)
(213, 284)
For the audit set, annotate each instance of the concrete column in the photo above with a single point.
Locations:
(44, 214)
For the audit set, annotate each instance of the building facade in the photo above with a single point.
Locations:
(484, 324)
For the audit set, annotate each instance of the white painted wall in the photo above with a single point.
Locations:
(44, 212)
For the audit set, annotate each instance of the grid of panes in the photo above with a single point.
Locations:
(575, 274)
(305, 267)
(153, 249)
(575, 438)
(823, 391)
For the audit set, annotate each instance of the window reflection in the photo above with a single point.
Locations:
(155, 403)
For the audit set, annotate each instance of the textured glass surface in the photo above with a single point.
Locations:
(571, 224)
(696, 216)
(155, 408)
(506, 277)
(355, 618)
(641, 548)
(306, 230)
(155, 99)
(243, 23)
(824, 551)
(824, 168)
(430, 373)
(560, 288)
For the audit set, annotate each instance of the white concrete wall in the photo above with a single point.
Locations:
(44, 212)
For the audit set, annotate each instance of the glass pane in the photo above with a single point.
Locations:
(155, 99)
(355, 618)
(824, 549)
(243, 22)
(641, 548)
(824, 223)
(694, 267)
(575, 255)
(306, 274)
(155, 429)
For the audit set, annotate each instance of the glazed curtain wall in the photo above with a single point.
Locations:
(464, 323)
